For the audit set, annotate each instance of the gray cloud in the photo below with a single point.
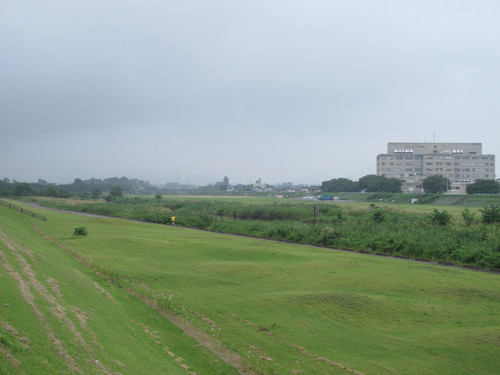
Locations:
(282, 90)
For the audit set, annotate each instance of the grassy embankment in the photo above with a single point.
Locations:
(402, 230)
(289, 309)
(57, 316)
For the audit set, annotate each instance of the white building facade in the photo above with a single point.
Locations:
(461, 163)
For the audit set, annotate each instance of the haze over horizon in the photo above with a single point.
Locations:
(192, 91)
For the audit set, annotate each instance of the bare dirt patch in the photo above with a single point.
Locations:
(29, 285)
(342, 366)
(26, 292)
(227, 355)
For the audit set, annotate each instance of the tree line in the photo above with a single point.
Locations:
(92, 188)
(370, 183)
(377, 184)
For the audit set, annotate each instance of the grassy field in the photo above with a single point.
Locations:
(403, 230)
(59, 317)
(285, 309)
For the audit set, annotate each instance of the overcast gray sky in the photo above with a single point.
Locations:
(192, 91)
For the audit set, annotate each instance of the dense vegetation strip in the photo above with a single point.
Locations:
(460, 240)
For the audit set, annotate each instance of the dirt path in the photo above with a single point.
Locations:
(31, 289)
(224, 353)
(27, 285)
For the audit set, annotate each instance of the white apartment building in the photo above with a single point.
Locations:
(461, 163)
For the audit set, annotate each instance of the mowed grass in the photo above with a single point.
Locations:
(291, 309)
(59, 317)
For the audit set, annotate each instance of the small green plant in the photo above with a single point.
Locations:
(378, 215)
(440, 217)
(80, 231)
(468, 216)
(491, 214)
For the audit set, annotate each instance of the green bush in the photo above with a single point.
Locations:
(468, 216)
(80, 231)
(491, 214)
(378, 215)
(440, 217)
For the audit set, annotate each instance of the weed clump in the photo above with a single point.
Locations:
(80, 231)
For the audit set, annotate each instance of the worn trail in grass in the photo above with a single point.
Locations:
(288, 309)
(58, 317)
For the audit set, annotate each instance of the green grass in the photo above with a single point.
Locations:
(284, 308)
(396, 229)
(58, 316)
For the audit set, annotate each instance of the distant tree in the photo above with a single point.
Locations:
(63, 193)
(222, 185)
(339, 185)
(225, 183)
(375, 183)
(95, 193)
(435, 184)
(116, 192)
(22, 189)
(55, 192)
(483, 187)
(51, 191)
(5, 187)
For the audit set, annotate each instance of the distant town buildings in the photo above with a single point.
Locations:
(461, 163)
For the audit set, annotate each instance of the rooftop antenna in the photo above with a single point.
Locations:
(434, 139)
